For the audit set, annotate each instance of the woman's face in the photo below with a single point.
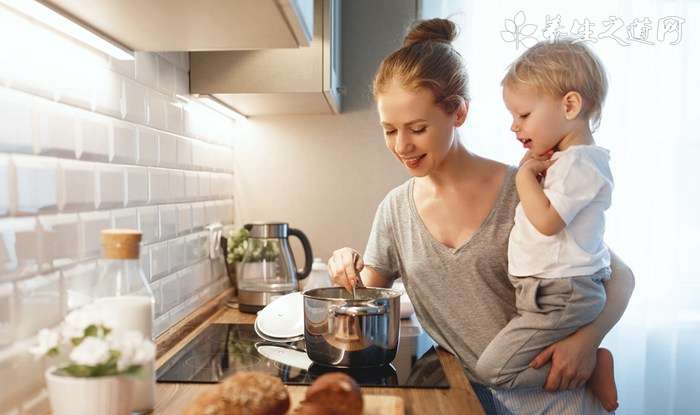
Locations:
(416, 130)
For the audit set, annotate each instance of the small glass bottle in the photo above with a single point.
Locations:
(126, 300)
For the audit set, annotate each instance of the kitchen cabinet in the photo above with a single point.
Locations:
(186, 25)
(278, 81)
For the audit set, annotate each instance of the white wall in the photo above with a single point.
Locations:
(88, 143)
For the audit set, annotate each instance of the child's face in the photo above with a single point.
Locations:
(539, 119)
(417, 131)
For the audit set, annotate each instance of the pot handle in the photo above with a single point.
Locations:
(360, 310)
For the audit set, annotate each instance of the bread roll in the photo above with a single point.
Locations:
(254, 393)
(337, 392)
(208, 403)
(244, 393)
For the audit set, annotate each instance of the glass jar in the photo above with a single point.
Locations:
(126, 300)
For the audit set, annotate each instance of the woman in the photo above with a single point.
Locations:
(445, 231)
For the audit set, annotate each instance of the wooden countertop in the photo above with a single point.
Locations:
(172, 398)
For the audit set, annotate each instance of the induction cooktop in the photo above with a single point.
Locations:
(223, 349)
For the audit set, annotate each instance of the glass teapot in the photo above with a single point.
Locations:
(268, 269)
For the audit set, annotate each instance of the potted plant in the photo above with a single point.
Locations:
(98, 364)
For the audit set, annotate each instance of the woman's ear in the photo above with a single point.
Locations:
(461, 113)
(573, 103)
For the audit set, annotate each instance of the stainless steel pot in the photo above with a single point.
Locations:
(345, 332)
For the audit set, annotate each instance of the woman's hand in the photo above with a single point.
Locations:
(344, 267)
(573, 360)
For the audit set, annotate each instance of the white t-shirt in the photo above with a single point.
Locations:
(579, 186)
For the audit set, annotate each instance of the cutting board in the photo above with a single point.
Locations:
(373, 404)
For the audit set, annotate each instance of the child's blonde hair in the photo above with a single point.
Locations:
(561, 66)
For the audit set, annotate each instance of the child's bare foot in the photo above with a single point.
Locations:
(602, 381)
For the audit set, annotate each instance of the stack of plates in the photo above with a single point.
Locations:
(282, 320)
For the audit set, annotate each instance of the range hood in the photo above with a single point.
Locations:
(189, 25)
(278, 81)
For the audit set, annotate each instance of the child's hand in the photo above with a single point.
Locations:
(535, 167)
(528, 155)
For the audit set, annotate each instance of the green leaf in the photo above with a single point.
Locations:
(132, 370)
(91, 331)
(78, 371)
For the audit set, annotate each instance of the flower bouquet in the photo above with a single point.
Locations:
(97, 363)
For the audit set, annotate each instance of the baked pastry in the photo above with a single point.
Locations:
(336, 391)
(244, 393)
(254, 393)
(208, 403)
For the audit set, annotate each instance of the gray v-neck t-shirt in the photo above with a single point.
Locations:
(462, 296)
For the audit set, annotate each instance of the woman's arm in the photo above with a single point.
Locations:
(618, 290)
(373, 278)
(347, 269)
(573, 358)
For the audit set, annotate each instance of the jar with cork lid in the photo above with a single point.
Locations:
(126, 301)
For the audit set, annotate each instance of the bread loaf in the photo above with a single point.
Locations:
(337, 392)
(244, 393)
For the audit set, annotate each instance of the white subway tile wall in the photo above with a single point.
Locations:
(125, 219)
(91, 224)
(36, 187)
(168, 221)
(4, 185)
(76, 187)
(123, 146)
(110, 186)
(91, 144)
(149, 224)
(136, 186)
(93, 138)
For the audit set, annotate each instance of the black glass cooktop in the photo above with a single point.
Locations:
(223, 349)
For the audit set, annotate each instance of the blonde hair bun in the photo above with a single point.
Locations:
(427, 60)
(435, 30)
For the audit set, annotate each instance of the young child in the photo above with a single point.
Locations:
(557, 260)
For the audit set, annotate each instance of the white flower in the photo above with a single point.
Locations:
(91, 352)
(133, 348)
(145, 353)
(78, 320)
(46, 340)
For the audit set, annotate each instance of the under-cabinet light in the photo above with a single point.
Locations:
(63, 24)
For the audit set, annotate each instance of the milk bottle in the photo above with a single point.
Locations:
(126, 301)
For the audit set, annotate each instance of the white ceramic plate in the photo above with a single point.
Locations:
(283, 317)
(276, 339)
(285, 355)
